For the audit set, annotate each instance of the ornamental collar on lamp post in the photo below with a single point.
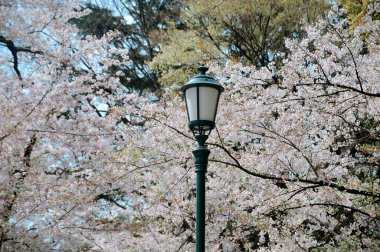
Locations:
(202, 94)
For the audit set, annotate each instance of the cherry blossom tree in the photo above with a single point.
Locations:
(310, 137)
(295, 156)
(53, 136)
(294, 159)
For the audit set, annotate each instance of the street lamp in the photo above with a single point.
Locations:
(202, 96)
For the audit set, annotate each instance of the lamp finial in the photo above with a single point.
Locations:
(202, 70)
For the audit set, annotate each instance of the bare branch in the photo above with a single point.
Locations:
(333, 205)
(14, 50)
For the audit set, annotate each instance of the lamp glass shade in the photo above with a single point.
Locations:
(206, 98)
(202, 102)
(191, 103)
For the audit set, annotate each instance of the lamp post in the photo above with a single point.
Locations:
(202, 97)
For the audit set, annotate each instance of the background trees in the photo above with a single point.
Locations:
(139, 23)
(357, 9)
(295, 156)
(251, 32)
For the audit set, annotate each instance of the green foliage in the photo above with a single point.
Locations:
(249, 31)
(84, 248)
(178, 60)
(356, 9)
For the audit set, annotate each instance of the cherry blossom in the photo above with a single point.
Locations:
(294, 161)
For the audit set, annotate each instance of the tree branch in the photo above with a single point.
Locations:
(332, 205)
(312, 182)
(14, 50)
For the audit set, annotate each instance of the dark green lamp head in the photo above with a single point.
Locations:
(202, 94)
